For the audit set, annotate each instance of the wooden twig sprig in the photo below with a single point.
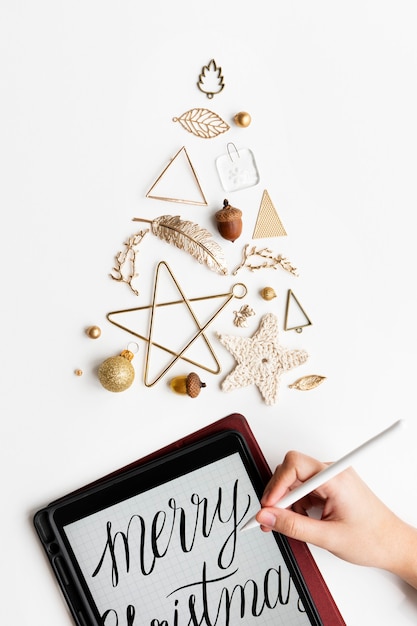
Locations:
(125, 267)
(265, 259)
(189, 237)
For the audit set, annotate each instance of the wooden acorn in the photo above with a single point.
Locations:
(188, 385)
(229, 221)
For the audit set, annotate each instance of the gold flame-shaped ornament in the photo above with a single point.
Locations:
(307, 382)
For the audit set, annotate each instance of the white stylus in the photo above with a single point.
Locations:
(327, 473)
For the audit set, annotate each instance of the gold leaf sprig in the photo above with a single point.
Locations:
(125, 267)
(191, 238)
(266, 259)
(241, 316)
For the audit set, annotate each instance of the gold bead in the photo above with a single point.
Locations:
(78, 372)
(93, 332)
(117, 373)
(242, 119)
(268, 293)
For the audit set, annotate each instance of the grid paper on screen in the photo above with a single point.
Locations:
(174, 554)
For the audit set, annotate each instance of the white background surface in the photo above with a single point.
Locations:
(88, 91)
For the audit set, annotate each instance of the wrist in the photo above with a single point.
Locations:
(403, 561)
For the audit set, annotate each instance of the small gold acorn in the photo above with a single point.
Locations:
(268, 293)
(229, 221)
(189, 385)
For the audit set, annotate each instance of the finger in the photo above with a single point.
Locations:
(295, 468)
(308, 503)
(294, 525)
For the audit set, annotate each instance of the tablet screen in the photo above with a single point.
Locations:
(167, 551)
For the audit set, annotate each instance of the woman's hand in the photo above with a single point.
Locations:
(352, 522)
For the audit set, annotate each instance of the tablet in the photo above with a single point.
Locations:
(160, 545)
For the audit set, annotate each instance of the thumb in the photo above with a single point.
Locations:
(292, 525)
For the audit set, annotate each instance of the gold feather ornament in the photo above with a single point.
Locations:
(191, 238)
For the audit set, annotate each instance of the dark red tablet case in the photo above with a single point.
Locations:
(319, 592)
(322, 598)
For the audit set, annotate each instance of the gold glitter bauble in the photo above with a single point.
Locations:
(117, 373)
(242, 119)
(93, 332)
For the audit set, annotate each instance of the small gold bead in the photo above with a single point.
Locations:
(242, 119)
(93, 332)
(78, 372)
(268, 293)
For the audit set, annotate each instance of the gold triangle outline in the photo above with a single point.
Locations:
(298, 328)
(182, 201)
(238, 291)
(259, 225)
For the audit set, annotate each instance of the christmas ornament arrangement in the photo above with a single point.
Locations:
(261, 359)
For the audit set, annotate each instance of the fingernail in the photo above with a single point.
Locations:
(267, 519)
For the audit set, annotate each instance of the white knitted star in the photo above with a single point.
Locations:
(261, 359)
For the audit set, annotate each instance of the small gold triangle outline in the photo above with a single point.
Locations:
(299, 327)
(203, 201)
(268, 223)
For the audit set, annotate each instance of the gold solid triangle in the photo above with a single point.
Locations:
(202, 202)
(268, 223)
(299, 327)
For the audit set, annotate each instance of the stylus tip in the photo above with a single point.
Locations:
(252, 523)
